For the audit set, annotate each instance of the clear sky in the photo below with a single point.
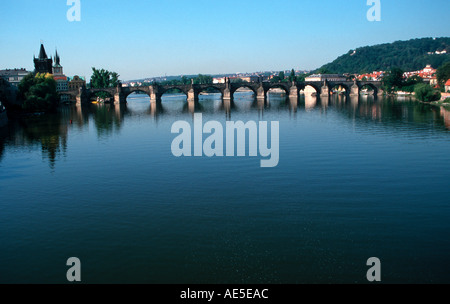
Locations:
(145, 38)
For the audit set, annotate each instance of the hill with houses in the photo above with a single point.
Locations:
(408, 55)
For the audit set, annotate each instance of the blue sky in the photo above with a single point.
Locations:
(144, 38)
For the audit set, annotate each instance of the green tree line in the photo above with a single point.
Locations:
(411, 55)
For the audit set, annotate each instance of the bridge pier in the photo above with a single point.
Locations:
(119, 98)
(380, 92)
(82, 97)
(226, 95)
(354, 90)
(192, 96)
(154, 94)
(293, 91)
(261, 93)
(325, 91)
(154, 98)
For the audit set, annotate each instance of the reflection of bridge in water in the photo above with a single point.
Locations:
(215, 104)
(228, 89)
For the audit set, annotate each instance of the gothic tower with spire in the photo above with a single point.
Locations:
(57, 68)
(43, 64)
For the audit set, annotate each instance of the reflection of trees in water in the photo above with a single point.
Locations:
(50, 131)
(445, 114)
(46, 131)
(108, 118)
(389, 111)
(2, 147)
(3, 137)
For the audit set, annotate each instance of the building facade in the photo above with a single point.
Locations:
(426, 73)
(76, 82)
(62, 83)
(15, 76)
(327, 77)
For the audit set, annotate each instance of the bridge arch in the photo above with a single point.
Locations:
(172, 90)
(94, 93)
(370, 86)
(335, 88)
(278, 86)
(309, 89)
(208, 88)
(137, 91)
(243, 86)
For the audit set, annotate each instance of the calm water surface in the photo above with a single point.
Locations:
(356, 179)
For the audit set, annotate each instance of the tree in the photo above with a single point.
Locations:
(409, 84)
(324, 70)
(426, 93)
(292, 76)
(275, 79)
(203, 79)
(281, 75)
(237, 80)
(38, 93)
(443, 73)
(104, 79)
(393, 80)
(114, 79)
(300, 77)
(409, 55)
(185, 80)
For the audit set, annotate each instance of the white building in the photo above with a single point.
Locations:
(15, 76)
(328, 77)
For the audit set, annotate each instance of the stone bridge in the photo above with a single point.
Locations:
(227, 89)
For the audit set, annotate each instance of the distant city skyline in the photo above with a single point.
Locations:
(141, 39)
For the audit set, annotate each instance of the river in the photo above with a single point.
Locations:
(356, 179)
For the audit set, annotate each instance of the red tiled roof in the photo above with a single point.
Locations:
(60, 77)
(447, 83)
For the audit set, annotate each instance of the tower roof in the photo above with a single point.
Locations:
(42, 53)
(57, 59)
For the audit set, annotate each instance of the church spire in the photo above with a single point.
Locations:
(57, 59)
(42, 53)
